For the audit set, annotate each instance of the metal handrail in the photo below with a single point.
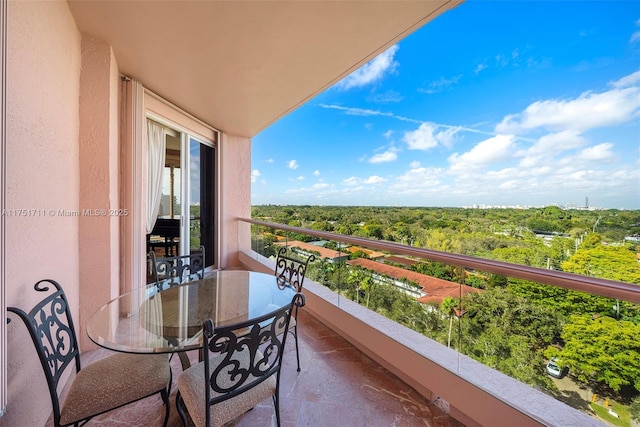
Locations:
(593, 285)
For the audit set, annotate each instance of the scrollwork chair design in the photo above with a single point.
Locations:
(175, 270)
(292, 271)
(244, 370)
(99, 387)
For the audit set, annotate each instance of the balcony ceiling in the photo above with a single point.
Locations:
(241, 65)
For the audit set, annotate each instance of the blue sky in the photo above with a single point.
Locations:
(492, 103)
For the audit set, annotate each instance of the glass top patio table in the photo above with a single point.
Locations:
(147, 321)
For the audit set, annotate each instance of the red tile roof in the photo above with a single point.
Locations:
(371, 254)
(401, 260)
(324, 252)
(436, 289)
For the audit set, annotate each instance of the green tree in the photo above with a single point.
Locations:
(608, 262)
(448, 307)
(563, 301)
(359, 254)
(360, 284)
(509, 333)
(602, 350)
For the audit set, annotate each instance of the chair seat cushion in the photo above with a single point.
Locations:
(112, 382)
(191, 384)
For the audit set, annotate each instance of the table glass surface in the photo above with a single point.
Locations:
(142, 321)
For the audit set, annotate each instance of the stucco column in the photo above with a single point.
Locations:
(235, 194)
(100, 213)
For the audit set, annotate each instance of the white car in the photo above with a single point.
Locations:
(554, 370)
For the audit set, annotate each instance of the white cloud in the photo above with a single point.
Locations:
(630, 80)
(374, 179)
(549, 146)
(293, 164)
(480, 67)
(316, 173)
(417, 181)
(501, 61)
(509, 185)
(485, 153)
(321, 186)
(441, 84)
(598, 152)
(415, 164)
(428, 136)
(388, 156)
(254, 175)
(559, 141)
(387, 97)
(366, 112)
(352, 180)
(588, 111)
(372, 71)
(635, 37)
(358, 182)
(269, 160)
(300, 178)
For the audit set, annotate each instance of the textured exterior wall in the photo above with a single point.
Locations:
(43, 75)
(235, 189)
(63, 157)
(98, 232)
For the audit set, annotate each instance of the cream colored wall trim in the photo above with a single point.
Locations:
(3, 183)
(166, 113)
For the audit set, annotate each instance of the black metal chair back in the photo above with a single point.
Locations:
(52, 331)
(175, 270)
(265, 344)
(292, 270)
(51, 328)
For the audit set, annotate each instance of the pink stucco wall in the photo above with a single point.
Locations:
(235, 189)
(43, 75)
(99, 165)
(65, 154)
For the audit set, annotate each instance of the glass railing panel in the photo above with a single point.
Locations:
(580, 348)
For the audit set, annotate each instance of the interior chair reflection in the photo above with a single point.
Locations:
(176, 270)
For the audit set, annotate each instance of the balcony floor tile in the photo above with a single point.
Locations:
(338, 385)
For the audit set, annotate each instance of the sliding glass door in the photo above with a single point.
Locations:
(188, 194)
(197, 225)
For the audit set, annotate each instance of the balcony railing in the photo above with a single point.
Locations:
(593, 285)
(476, 393)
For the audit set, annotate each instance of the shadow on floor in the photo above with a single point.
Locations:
(338, 386)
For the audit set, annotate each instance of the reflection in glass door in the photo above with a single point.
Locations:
(188, 193)
(199, 225)
(172, 177)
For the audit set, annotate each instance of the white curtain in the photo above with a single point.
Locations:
(156, 135)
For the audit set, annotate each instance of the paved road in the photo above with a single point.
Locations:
(574, 394)
(578, 396)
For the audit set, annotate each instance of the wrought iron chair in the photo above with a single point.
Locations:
(99, 387)
(292, 271)
(244, 371)
(175, 270)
